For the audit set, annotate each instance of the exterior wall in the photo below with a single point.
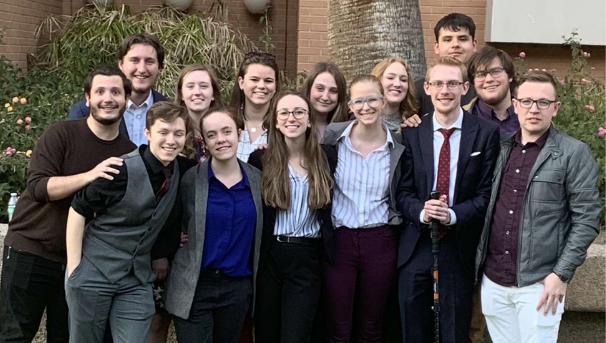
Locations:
(19, 18)
(313, 36)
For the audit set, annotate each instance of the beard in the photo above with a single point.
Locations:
(497, 99)
(94, 112)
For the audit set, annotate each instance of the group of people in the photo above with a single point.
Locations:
(308, 211)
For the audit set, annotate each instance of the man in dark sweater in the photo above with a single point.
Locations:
(68, 156)
(141, 58)
(109, 263)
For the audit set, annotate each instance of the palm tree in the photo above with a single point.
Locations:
(363, 32)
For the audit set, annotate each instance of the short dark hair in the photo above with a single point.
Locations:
(142, 38)
(454, 22)
(485, 56)
(107, 71)
(167, 112)
(540, 77)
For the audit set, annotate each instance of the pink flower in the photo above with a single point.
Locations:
(27, 127)
(589, 108)
(522, 54)
(592, 68)
(9, 151)
(562, 82)
(588, 55)
(545, 70)
(585, 81)
(28, 120)
(529, 70)
(19, 121)
(601, 131)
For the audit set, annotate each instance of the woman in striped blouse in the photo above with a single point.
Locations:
(363, 251)
(296, 188)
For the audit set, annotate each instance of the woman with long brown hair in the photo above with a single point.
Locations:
(256, 83)
(326, 89)
(296, 188)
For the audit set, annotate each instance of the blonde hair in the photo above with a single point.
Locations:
(448, 61)
(408, 106)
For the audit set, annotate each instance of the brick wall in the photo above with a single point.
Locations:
(313, 37)
(20, 18)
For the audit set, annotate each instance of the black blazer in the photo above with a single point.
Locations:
(477, 157)
(269, 213)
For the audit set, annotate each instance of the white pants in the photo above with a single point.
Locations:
(511, 314)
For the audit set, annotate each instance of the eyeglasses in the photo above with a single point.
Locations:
(449, 84)
(261, 55)
(298, 113)
(494, 72)
(542, 104)
(372, 101)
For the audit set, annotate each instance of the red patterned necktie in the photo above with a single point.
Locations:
(167, 174)
(443, 182)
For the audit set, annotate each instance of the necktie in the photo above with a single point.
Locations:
(167, 174)
(443, 182)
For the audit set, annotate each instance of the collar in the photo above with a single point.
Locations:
(457, 124)
(211, 173)
(148, 102)
(489, 112)
(347, 131)
(154, 164)
(517, 139)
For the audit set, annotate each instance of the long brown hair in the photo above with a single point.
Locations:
(275, 183)
(341, 112)
(408, 106)
(237, 95)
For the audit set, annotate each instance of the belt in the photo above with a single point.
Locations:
(298, 240)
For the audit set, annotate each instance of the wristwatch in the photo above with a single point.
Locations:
(562, 277)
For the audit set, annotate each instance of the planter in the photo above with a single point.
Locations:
(256, 6)
(182, 5)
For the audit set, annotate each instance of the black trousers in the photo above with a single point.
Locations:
(29, 285)
(218, 310)
(416, 294)
(288, 292)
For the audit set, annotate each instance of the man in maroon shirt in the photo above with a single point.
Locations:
(68, 156)
(542, 217)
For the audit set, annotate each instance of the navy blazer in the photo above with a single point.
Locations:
(80, 110)
(479, 138)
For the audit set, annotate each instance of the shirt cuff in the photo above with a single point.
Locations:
(422, 216)
(453, 217)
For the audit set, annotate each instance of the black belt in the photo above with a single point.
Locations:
(298, 240)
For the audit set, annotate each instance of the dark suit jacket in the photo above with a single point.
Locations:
(269, 213)
(472, 187)
(80, 110)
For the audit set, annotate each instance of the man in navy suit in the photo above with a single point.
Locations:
(140, 58)
(455, 153)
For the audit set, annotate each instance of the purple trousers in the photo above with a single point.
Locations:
(357, 286)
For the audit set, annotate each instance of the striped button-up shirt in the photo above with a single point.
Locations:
(361, 184)
(246, 147)
(135, 117)
(298, 220)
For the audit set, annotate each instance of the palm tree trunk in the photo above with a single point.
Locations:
(363, 32)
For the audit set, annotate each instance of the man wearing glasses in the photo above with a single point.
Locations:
(454, 153)
(542, 217)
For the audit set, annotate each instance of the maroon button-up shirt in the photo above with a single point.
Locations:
(501, 258)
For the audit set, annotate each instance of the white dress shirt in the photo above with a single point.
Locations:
(361, 184)
(455, 144)
(135, 117)
(246, 147)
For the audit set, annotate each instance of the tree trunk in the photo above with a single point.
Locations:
(363, 32)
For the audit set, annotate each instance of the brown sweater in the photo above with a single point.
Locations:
(66, 148)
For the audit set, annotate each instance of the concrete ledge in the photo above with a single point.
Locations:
(587, 291)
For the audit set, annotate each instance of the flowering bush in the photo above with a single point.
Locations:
(581, 114)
